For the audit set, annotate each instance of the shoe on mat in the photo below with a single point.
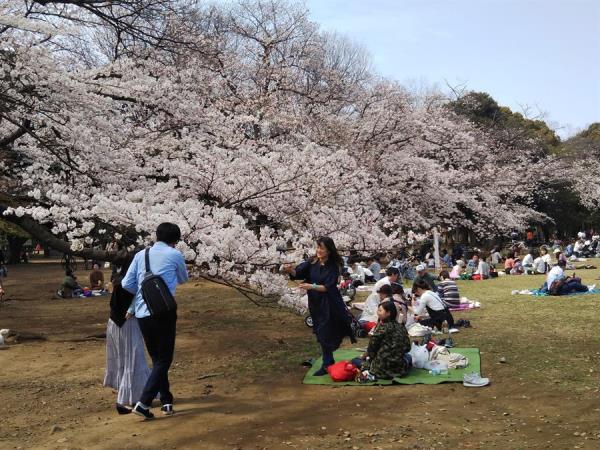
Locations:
(474, 380)
(167, 409)
(449, 343)
(123, 409)
(591, 287)
(143, 411)
(319, 373)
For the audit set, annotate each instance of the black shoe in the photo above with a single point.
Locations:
(123, 410)
(143, 412)
(167, 409)
(319, 373)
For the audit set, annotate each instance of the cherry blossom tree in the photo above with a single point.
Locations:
(246, 125)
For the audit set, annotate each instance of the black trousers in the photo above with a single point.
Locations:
(159, 336)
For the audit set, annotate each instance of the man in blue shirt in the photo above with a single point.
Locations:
(158, 330)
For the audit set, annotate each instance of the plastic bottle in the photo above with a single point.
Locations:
(445, 327)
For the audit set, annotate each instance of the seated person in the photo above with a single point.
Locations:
(448, 290)
(405, 314)
(559, 284)
(446, 258)
(375, 268)
(391, 276)
(457, 270)
(473, 263)
(368, 317)
(69, 286)
(429, 301)
(528, 261)
(483, 270)
(386, 354)
(495, 256)
(509, 264)
(96, 277)
(424, 275)
(517, 267)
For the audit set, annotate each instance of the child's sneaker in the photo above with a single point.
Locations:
(141, 410)
(167, 409)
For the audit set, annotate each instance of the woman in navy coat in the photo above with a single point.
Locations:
(331, 320)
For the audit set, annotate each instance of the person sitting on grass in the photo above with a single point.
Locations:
(559, 284)
(509, 264)
(424, 275)
(457, 270)
(96, 277)
(391, 276)
(368, 317)
(517, 267)
(386, 354)
(69, 287)
(428, 301)
(448, 290)
(483, 270)
(528, 263)
(405, 314)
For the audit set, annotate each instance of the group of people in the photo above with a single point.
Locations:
(386, 314)
(70, 286)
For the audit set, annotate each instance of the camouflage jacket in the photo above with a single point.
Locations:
(386, 350)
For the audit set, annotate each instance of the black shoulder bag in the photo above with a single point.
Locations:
(155, 292)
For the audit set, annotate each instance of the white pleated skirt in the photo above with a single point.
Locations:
(126, 366)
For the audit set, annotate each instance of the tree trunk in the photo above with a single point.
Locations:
(15, 246)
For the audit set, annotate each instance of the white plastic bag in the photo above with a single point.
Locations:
(419, 355)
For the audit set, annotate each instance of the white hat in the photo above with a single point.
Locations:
(421, 267)
(557, 250)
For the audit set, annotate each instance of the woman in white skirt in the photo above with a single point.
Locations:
(126, 366)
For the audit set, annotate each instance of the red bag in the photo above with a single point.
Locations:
(342, 371)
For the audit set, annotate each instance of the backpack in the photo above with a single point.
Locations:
(155, 292)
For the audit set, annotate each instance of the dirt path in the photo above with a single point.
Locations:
(258, 402)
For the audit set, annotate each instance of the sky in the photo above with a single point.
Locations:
(543, 55)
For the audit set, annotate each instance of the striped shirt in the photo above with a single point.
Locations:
(448, 291)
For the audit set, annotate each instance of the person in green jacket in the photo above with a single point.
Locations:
(385, 357)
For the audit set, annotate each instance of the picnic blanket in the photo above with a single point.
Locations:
(538, 293)
(415, 376)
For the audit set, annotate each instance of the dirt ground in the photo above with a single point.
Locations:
(52, 396)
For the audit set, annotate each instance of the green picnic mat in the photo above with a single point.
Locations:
(415, 376)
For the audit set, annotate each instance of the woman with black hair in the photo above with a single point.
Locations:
(126, 366)
(386, 354)
(331, 320)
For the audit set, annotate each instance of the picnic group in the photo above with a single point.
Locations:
(408, 328)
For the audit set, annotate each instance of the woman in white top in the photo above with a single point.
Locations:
(429, 301)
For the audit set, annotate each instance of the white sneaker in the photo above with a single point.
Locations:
(474, 380)
(515, 292)
(591, 287)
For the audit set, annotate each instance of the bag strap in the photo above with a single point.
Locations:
(147, 257)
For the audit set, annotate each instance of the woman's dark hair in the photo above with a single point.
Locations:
(334, 257)
(421, 284)
(122, 264)
(169, 233)
(444, 275)
(385, 289)
(391, 308)
(397, 288)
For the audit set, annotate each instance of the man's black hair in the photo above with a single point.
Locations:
(392, 271)
(169, 233)
(562, 263)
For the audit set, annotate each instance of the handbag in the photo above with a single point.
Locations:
(342, 371)
(155, 292)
